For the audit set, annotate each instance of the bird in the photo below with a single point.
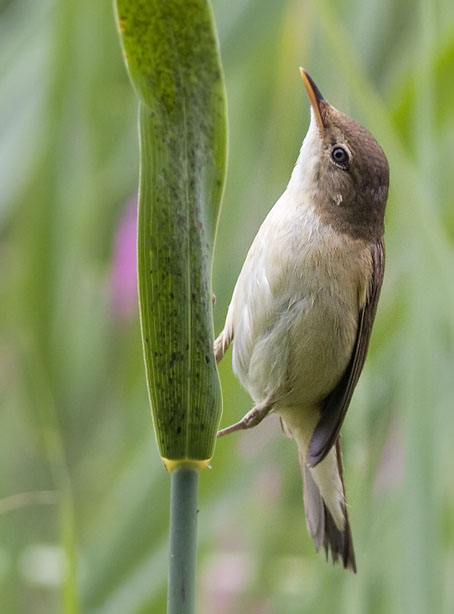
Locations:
(303, 307)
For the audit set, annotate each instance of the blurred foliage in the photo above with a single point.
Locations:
(83, 496)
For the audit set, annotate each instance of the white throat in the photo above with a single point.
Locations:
(305, 172)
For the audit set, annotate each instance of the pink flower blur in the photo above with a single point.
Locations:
(124, 266)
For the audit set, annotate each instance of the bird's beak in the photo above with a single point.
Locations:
(316, 99)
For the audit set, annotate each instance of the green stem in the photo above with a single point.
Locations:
(184, 483)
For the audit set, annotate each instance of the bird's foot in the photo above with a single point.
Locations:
(251, 419)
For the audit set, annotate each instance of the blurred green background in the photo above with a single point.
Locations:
(83, 495)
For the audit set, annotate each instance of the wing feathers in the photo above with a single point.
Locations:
(337, 402)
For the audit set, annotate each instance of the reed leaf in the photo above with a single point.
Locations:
(172, 56)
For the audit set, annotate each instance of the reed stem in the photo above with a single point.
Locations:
(184, 484)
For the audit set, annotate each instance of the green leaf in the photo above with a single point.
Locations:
(172, 57)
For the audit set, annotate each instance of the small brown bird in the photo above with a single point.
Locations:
(303, 307)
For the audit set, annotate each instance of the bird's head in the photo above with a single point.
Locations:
(344, 168)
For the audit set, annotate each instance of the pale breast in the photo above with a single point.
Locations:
(295, 307)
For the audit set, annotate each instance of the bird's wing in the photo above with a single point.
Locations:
(336, 404)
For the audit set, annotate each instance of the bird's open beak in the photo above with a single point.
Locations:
(316, 98)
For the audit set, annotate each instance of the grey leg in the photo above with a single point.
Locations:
(221, 345)
(251, 419)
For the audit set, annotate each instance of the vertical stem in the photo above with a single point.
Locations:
(184, 483)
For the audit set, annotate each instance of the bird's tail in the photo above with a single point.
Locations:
(324, 500)
(328, 529)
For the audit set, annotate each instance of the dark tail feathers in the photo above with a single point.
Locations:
(320, 523)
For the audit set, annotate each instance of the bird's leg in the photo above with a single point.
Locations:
(219, 349)
(221, 345)
(252, 418)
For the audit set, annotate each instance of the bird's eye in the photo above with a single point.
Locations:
(340, 157)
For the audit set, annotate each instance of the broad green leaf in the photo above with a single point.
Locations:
(172, 57)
